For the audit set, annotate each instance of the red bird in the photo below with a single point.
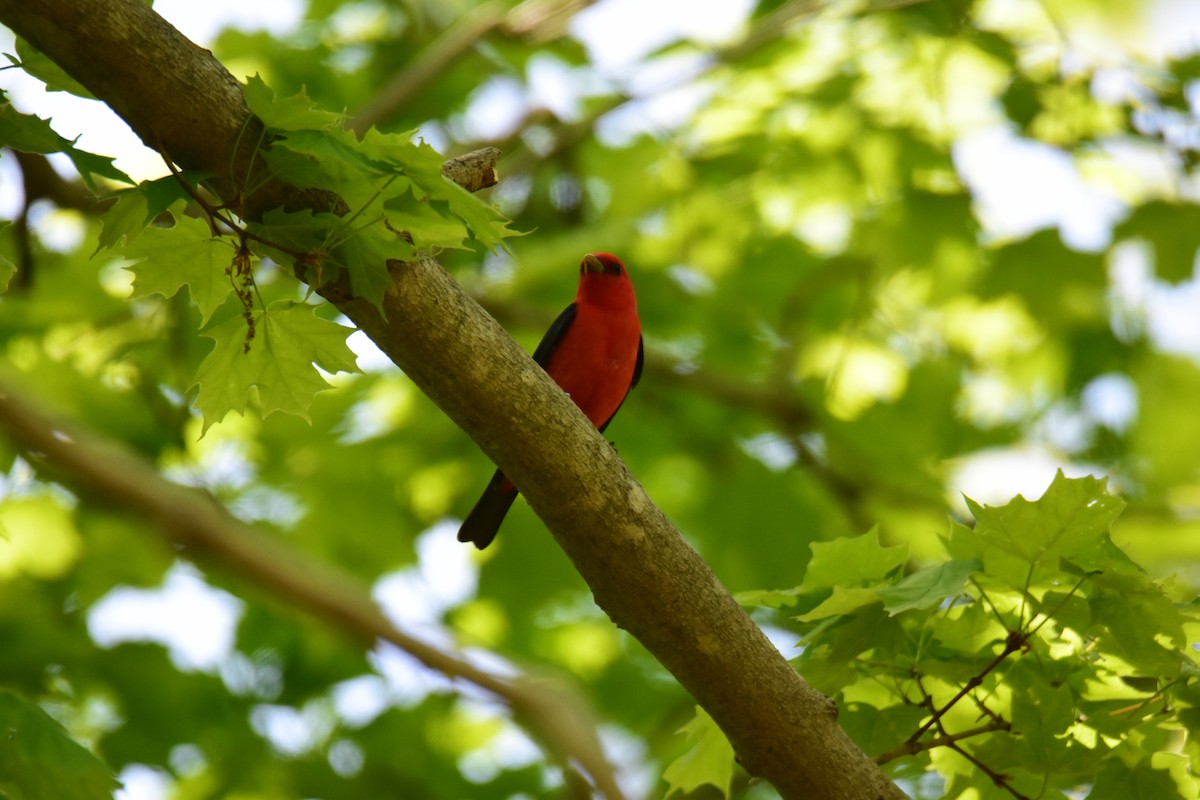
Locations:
(594, 352)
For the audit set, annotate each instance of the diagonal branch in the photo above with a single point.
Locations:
(640, 570)
(105, 470)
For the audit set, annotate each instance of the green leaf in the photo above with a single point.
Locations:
(184, 255)
(302, 231)
(290, 113)
(709, 758)
(427, 226)
(1117, 781)
(7, 268)
(331, 159)
(929, 586)
(28, 133)
(842, 601)
(362, 253)
(1070, 521)
(45, 70)
(1041, 715)
(365, 255)
(487, 225)
(90, 164)
(852, 560)
(383, 170)
(1142, 620)
(164, 192)
(1020, 267)
(288, 340)
(423, 166)
(32, 134)
(39, 759)
(876, 729)
(124, 220)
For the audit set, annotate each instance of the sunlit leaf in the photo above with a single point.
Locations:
(708, 760)
(167, 259)
(278, 363)
(849, 560)
(928, 586)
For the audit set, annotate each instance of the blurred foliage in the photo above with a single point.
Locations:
(854, 312)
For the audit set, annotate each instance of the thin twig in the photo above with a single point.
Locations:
(912, 748)
(428, 65)
(1012, 644)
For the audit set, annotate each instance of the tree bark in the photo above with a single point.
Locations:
(181, 101)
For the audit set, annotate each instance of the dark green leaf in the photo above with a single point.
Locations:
(929, 586)
(39, 759)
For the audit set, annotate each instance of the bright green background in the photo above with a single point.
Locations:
(831, 332)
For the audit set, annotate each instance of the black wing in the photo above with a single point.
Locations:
(554, 336)
(637, 368)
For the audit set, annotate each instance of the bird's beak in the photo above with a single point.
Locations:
(592, 264)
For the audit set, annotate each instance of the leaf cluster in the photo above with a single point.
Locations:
(1035, 660)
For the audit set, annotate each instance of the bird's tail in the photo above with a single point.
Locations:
(482, 524)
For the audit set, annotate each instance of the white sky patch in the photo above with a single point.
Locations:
(1171, 315)
(415, 598)
(691, 280)
(201, 22)
(495, 110)
(445, 576)
(785, 641)
(1165, 312)
(293, 731)
(346, 758)
(1021, 186)
(140, 782)
(97, 127)
(58, 230)
(635, 772)
(407, 680)
(620, 33)
(370, 357)
(663, 112)
(995, 476)
(221, 463)
(194, 621)
(510, 749)
(772, 450)
(1175, 27)
(556, 86)
(10, 178)
(1111, 400)
(360, 700)
(1063, 427)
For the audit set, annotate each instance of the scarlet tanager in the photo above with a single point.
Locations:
(594, 352)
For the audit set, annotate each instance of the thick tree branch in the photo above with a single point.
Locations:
(109, 473)
(641, 572)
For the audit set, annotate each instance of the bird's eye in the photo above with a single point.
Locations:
(612, 266)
